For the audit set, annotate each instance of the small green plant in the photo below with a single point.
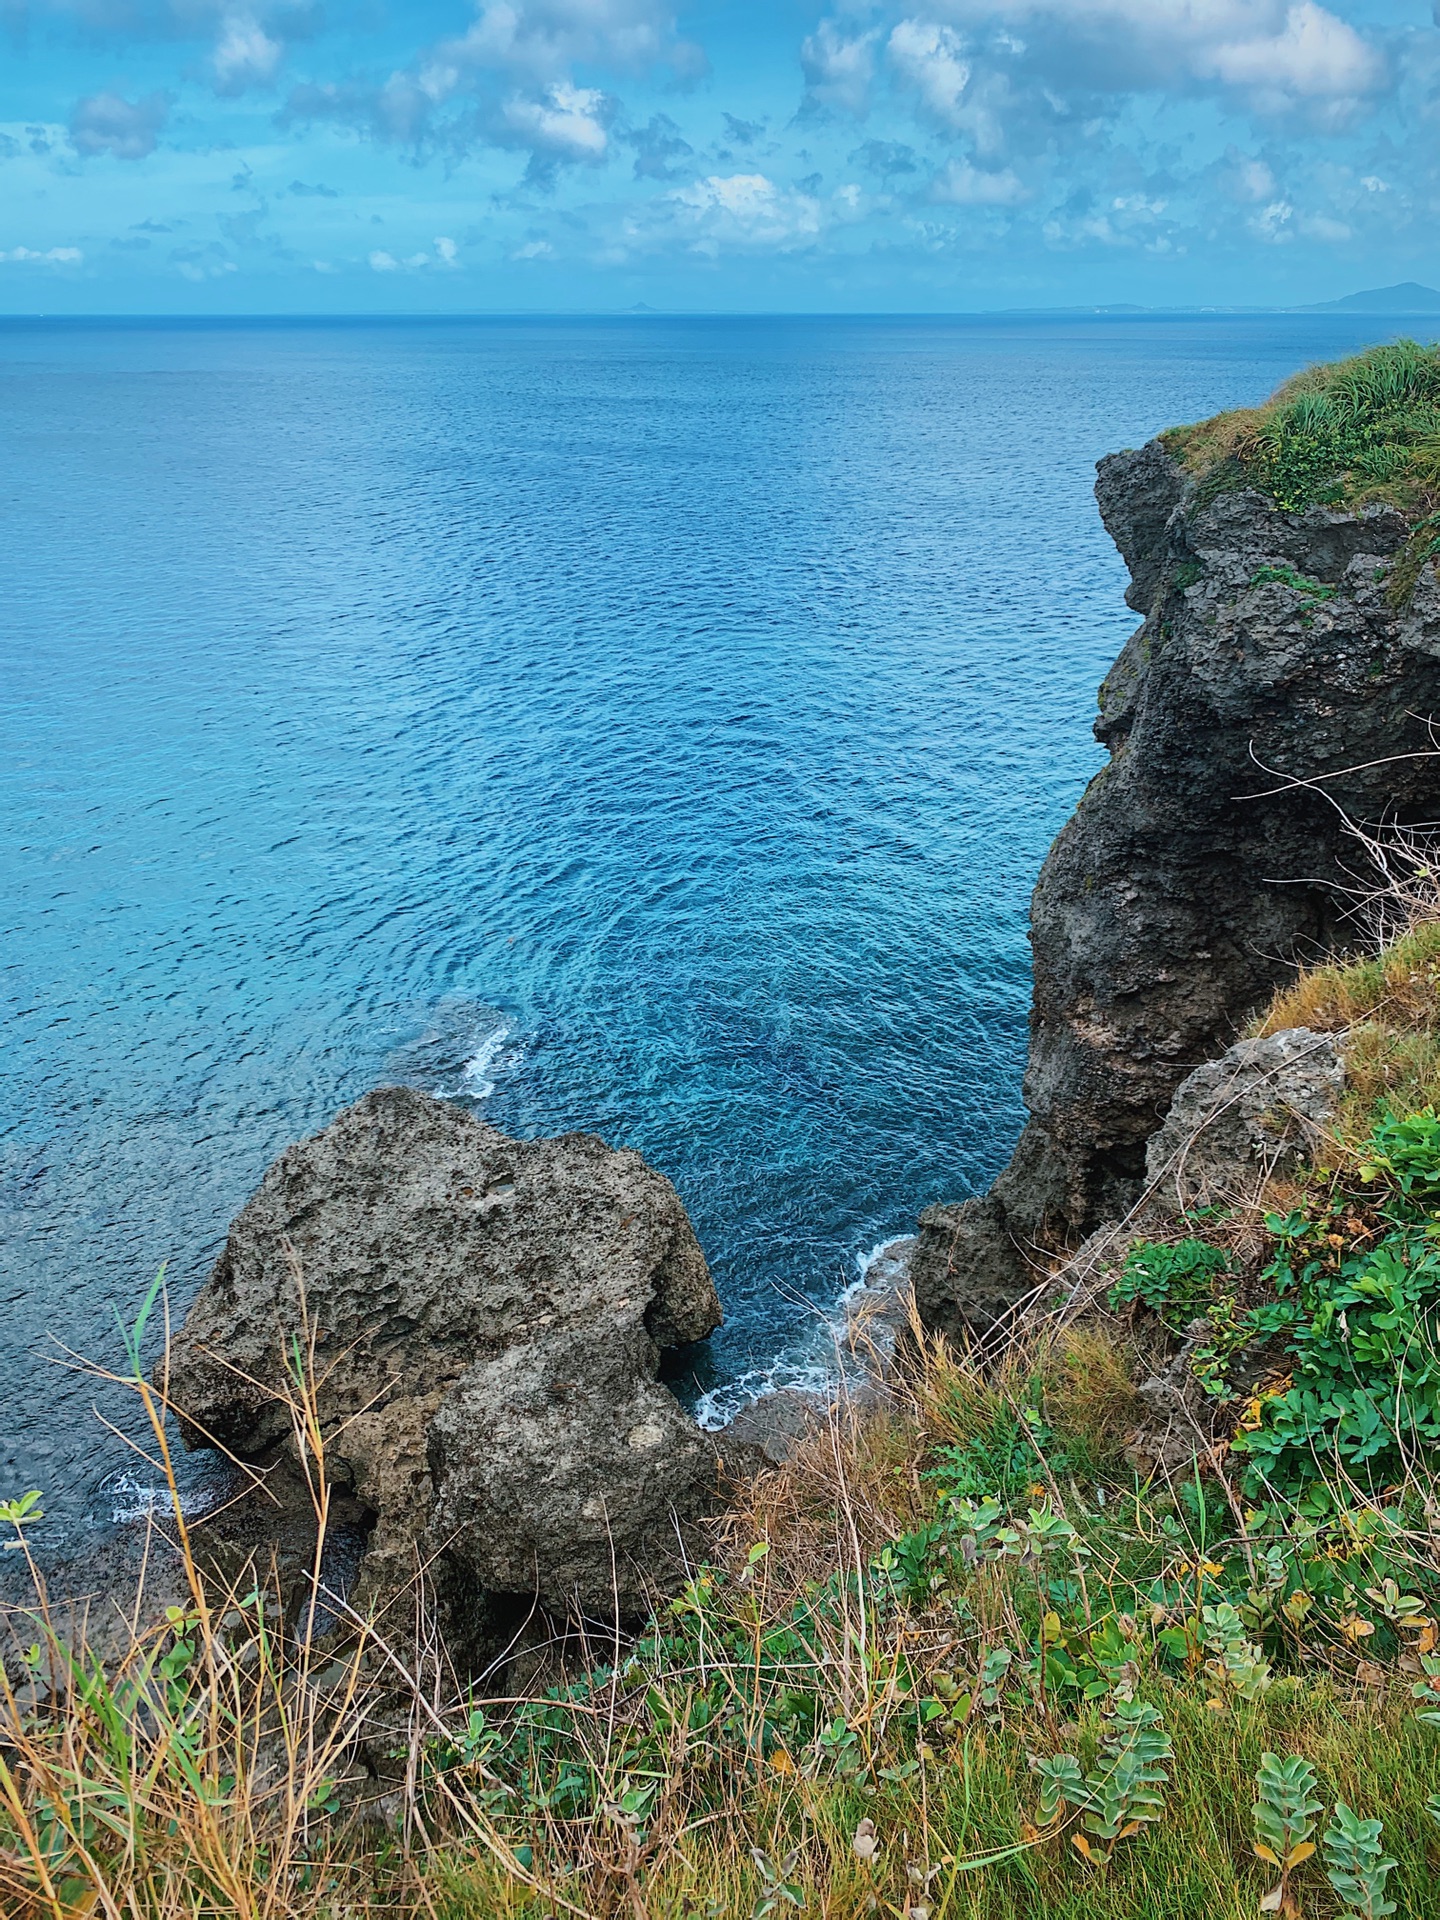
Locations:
(1234, 1660)
(1285, 1810)
(1175, 1281)
(777, 1889)
(1121, 1793)
(1297, 582)
(17, 1513)
(1357, 1866)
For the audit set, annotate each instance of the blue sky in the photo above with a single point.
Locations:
(264, 156)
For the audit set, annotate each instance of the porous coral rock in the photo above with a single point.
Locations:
(486, 1317)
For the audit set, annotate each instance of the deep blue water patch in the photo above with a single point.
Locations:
(652, 726)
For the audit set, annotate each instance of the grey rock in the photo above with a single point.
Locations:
(778, 1423)
(1191, 880)
(877, 1320)
(1258, 1110)
(487, 1317)
(969, 1272)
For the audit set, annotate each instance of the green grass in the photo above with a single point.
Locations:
(1339, 435)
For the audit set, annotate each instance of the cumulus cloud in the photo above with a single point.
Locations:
(509, 81)
(126, 129)
(209, 262)
(930, 59)
(245, 56)
(546, 39)
(736, 213)
(660, 148)
(446, 254)
(45, 257)
(568, 123)
(1278, 53)
(963, 185)
(839, 69)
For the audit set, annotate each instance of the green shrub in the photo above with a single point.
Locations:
(1175, 1281)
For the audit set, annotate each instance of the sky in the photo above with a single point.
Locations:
(407, 156)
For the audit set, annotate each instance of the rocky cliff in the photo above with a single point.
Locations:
(1275, 646)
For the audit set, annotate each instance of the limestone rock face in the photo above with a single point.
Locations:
(487, 1318)
(1191, 878)
(1258, 1110)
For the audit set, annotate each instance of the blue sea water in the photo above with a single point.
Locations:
(650, 725)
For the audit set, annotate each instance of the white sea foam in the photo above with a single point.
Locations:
(132, 1499)
(475, 1082)
(815, 1364)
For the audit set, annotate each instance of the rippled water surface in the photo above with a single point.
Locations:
(648, 726)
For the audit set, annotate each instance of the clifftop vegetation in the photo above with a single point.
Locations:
(1365, 429)
(964, 1658)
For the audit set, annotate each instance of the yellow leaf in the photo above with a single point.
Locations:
(1211, 1567)
(1051, 1629)
(1354, 1628)
(1127, 1832)
(781, 1761)
(1265, 1853)
(1215, 1706)
(1079, 1840)
(1029, 1834)
(1297, 1854)
(1429, 1638)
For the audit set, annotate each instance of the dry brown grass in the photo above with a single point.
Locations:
(211, 1792)
(1388, 1008)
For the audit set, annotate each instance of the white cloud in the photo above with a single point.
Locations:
(568, 123)
(48, 257)
(963, 185)
(1320, 226)
(738, 212)
(1126, 220)
(446, 254)
(1314, 56)
(839, 70)
(127, 129)
(245, 55)
(547, 39)
(1251, 179)
(1272, 223)
(930, 59)
(1279, 53)
(534, 250)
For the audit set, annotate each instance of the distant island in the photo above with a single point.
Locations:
(1408, 297)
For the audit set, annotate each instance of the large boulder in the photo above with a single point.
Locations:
(484, 1318)
(1259, 1110)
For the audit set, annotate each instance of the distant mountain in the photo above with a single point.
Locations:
(1408, 297)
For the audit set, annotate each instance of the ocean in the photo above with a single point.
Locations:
(649, 725)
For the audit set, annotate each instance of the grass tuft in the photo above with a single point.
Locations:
(1358, 430)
